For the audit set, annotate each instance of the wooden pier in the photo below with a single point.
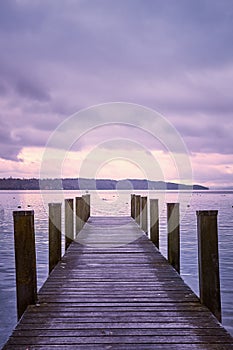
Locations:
(114, 290)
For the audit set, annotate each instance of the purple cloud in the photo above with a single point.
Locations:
(174, 57)
(30, 90)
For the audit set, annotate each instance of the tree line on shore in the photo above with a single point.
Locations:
(92, 184)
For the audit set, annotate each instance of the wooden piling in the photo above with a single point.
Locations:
(173, 240)
(84, 214)
(209, 281)
(80, 214)
(154, 221)
(144, 213)
(69, 221)
(133, 206)
(137, 209)
(25, 259)
(54, 234)
(87, 206)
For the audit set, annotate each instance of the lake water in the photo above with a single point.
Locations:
(117, 203)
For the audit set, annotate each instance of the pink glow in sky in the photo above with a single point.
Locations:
(175, 57)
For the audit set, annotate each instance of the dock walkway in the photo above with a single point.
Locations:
(114, 290)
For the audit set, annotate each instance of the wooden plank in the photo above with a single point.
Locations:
(119, 332)
(123, 346)
(108, 338)
(119, 296)
(65, 325)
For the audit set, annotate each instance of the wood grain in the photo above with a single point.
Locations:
(116, 296)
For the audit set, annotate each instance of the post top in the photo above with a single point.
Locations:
(86, 195)
(23, 212)
(173, 204)
(54, 204)
(207, 212)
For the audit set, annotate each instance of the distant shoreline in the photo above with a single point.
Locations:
(92, 184)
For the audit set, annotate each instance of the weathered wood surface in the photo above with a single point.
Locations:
(119, 296)
(25, 259)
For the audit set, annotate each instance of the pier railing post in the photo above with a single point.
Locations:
(133, 206)
(25, 259)
(173, 239)
(80, 213)
(69, 221)
(209, 281)
(154, 221)
(137, 209)
(87, 199)
(89, 206)
(140, 208)
(54, 234)
(144, 215)
(84, 214)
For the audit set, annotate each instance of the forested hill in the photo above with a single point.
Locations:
(92, 184)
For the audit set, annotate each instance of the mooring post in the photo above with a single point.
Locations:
(154, 221)
(69, 221)
(54, 234)
(25, 259)
(140, 216)
(80, 213)
(133, 206)
(209, 281)
(84, 211)
(88, 206)
(137, 209)
(144, 214)
(173, 239)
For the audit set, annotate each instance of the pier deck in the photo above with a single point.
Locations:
(114, 290)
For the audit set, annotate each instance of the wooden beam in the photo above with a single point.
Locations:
(80, 214)
(154, 221)
(69, 221)
(132, 206)
(173, 240)
(25, 259)
(137, 209)
(208, 259)
(144, 213)
(54, 234)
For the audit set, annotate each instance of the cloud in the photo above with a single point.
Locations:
(31, 90)
(213, 169)
(3, 88)
(59, 57)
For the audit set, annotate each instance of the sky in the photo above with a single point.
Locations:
(61, 57)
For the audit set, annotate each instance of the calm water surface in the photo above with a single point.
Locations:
(117, 203)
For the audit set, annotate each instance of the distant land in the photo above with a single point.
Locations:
(92, 184)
